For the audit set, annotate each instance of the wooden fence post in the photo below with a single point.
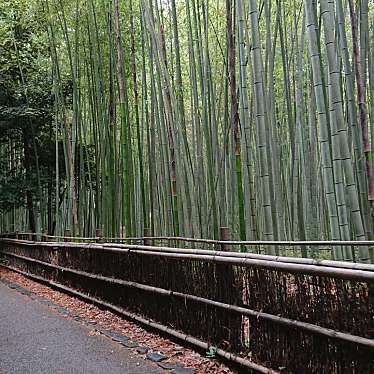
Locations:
(45, 236)
(122, 233)
(224, 233)
(98, 235)
(17, 234)
(147, 233)
(67, 233)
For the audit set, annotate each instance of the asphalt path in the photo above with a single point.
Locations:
(35, 339)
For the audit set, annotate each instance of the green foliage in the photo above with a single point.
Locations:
(211, 352)
(26, 104)
(12, 192)
(23, 41)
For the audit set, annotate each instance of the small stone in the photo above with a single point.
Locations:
(155, 357)
(167, 366)
(100, 330)
(142, 350)
(130, 344)
(121, 339)
(46, 302)
(113, 335)
(181, 370)
(108, 333)
(62, 310)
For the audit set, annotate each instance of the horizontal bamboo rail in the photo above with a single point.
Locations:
(311, 328)
(366, 275)
(295, 260)
(255, 242)
(118, 248)
(290, 243)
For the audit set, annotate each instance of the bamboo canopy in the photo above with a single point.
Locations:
(185, 116)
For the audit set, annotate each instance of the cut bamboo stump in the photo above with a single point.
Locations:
(98, 235)
(224, 233)
(67, 233)
(147, 233)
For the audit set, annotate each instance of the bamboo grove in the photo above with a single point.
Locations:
(183, 116)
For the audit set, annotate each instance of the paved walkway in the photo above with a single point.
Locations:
(34, 339)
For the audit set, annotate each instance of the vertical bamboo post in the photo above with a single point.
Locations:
(44, 236)
(122, 232)
(67, 233)
(147, 233)
(224, 233)
(17, 234)
(98, 235)
(29, 236)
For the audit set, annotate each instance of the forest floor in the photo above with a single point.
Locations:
(143, 345)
